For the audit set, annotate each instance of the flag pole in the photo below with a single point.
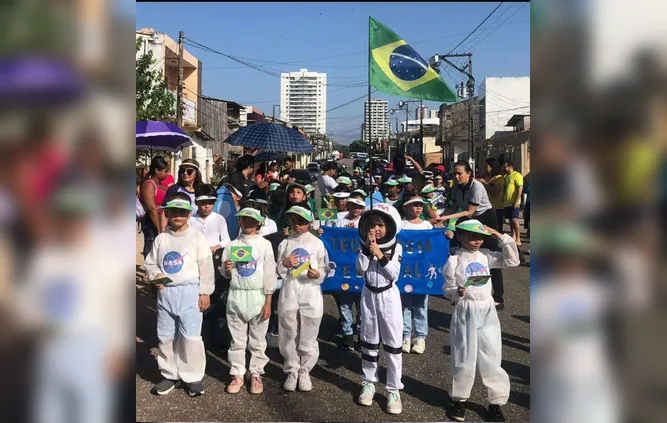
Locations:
(368, 113)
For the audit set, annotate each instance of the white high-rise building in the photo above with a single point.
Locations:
(379, 125)
(303, 100)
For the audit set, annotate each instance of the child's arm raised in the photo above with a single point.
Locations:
(450, 288)
(509, 257)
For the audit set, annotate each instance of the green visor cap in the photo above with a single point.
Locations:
(179, 204)
(344, 180)
(309, 189)
(252, 213)
(392, 183)
(405, 180)
(360, 191)
(300, 211)
(274, 186)
(428, 189)
(357, 169)
(473, 225)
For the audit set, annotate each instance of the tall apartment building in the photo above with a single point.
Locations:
(379, 124)
(303, 100)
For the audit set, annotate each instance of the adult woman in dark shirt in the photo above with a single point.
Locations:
(471, 198)
(189, 180)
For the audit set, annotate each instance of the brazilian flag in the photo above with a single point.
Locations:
(240, 254)
(396, 68)
(328, 214)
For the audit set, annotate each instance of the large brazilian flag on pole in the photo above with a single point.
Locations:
(396, 68)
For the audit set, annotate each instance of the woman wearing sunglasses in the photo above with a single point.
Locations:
(189, 180)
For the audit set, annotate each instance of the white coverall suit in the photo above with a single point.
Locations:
(184, 257)
(301, 306)
(381, 312)
(475, 329)
(250, 283)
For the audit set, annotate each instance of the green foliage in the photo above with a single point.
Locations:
(154, 100)
(358, 146)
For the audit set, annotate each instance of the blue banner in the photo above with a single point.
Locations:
(424, 255)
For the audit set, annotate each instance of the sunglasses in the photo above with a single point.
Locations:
(177, 213)
(188, 171)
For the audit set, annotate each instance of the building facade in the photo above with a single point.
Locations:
(502, 98)
(377, 112)
(303, 100)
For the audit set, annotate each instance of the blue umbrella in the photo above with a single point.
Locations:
(269, 156)
(271, 136)
(164, 136)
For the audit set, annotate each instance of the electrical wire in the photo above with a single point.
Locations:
(473, 31)
(489, 34)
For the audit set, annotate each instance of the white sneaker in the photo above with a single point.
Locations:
(290, 382)
(305, 384)
(394, 405)
(406, 345)
(367, 393)
(419, 346)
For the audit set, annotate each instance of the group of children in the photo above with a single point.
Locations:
(184, 255)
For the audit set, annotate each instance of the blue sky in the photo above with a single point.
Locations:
(311, 33)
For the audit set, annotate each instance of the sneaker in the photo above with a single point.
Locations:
(394, 403)
(305, 384)
(165, 386)
(271, 340)
(348, 343)
(196, 389)
(235, 385)
(367, 393)
(256, 385)
(419, 346)
(406, 345)
(290, 382)
(458, 411)
(495, 413)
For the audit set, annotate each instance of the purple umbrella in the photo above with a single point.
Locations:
(156, 135)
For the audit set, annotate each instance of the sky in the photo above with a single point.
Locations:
(333, 38)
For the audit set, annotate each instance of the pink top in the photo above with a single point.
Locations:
(159, 194)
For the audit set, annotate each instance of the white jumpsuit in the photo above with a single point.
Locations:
(250, 283)
(381, 316)
(300, 305)
(475, 329)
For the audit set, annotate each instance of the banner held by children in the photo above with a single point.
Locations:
(424, 255)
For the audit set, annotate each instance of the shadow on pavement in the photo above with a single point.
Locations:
(521, 375)
(146, 324)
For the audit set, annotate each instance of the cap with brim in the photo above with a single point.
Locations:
(274, 186)
(568, 240)
(392, 183)
(179, 204)
(260, 201)
(360, 191)
(340, 194)
(205, 198)
(300, 211)
(293, 185)
(356, 201)
(189, 164)
(438, 177)
(252, 213)
(233, 189)
(405, 180)
(473, 226)
(413, 201)
(357, 169)
(343, 180)
(428, 189)
(309, 189)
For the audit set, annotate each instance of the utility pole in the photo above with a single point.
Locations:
(421, 132)
(273, 118)
(179, 88)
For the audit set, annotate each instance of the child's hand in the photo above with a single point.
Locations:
(350, 225)
(159, 286)
(375, 250)
(204, 302)
(291, 261)
(494, 232)
(312, 273)
(461, 290)
(449, 234)
(228, 266)
(214, 249)
(286, 231)
(265, 313)
(320, 231)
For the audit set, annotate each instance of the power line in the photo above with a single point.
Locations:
(473, 31)
(489, 34)
(481, 32)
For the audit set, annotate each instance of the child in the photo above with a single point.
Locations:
(415, 305)
(182, 254)
(430, 209)
(475, 328)
(340, 195)
(259, 201)
(296, 196)
(393, 192)
(249, 303)
(300, 306)
(345, 181)
(380, 263)
(345, 300)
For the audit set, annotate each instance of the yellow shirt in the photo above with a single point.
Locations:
(496, 190)
(512, 183)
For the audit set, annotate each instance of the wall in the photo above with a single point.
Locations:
(504, 98)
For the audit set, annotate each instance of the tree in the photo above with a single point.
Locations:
(154, 100)
(358, 146)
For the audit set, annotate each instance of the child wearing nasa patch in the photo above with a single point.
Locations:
(475, 328)
(182, 254)
(414, 305)
(252, 284)
(303, 264)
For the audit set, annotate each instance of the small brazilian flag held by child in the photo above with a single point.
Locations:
(328, 214)
(240, 254)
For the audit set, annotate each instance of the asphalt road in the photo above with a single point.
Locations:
(336, 378)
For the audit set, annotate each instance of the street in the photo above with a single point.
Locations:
(337, 377)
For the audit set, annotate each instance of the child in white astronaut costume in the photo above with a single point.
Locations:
(181, 253)
(475, 328)
(249, 302)
(300, 305)
(381, 310)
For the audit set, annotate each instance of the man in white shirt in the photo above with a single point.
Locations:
(326, 181)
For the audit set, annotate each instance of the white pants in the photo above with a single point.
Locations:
(250, 334)
(475, 338)
(181, 353)
(382, 321)
(300, 310)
